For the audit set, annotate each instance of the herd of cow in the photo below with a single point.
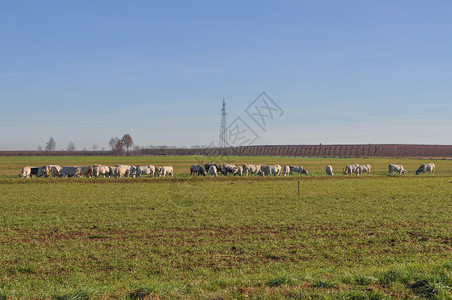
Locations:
(96, 171)
(208, 169)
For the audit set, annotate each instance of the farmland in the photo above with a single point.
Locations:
(371, 237)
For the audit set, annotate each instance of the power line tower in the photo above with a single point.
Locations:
(223, 134)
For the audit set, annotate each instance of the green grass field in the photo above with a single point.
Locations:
(346, 237)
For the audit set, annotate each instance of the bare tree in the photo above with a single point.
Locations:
(94, 147)
(116, 145)
(51, 145)
(127, 142)
(119, 146)
(39, 148)
(113, 141)
(71, 147)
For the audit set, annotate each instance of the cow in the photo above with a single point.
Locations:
(166, 170)
(430, 167)
(55, 170)
(271, 170)
(44, 171)
(363, 169)
(133, 171)
(72, 171)
(228, 168)
(286, 170)
(298, 169)
(397, 168)
(112, 171)
(86, 171)
(350, 169)
(329, 170)
(213, 170)
(122, 171)
(34, 171)
(251, 169)
(99, 170)
(197, 169)
(25, 173)
(238, 171)
(145, 170)
(217, 166)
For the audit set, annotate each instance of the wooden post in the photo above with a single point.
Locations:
(298, 188)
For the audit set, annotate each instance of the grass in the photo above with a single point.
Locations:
(367, 237)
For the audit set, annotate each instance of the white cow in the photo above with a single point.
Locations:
(271, 170)
(99, 170)
(145, 170)
(329, 170)
(286, 171)
(26, 172)
(430, 167)
(72, 171)
(397, 168)
(363, 169)
(350, 169)
(122, 171)
(298, 169)
(252, 169)
(238, 171)
(213, 170)
(166, 170)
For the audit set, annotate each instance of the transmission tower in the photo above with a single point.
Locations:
(223, 134)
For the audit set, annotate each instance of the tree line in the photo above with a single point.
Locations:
(117, 145)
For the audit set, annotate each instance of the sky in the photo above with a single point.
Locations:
(340, 72)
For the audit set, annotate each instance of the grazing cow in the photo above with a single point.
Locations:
(363, 169)
(217, 166)
(212, 170)
(145, 170)
(25, 173)
(298, 169)
(99, 170)
(122, 171)
(34, 171)
(197, 169)
(271, 170)
(112, 171)
(73, 171)
(397, 168)
(350, 169)
(430, 167)
(44, 171)
(86, 171)
(228, 168)
(55, 170)
(166, 170)
(251, 169)
(329, 170)
(238, 171)
(133, 171)
(286, 170)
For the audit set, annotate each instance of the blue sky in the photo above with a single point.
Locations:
(342, 71)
